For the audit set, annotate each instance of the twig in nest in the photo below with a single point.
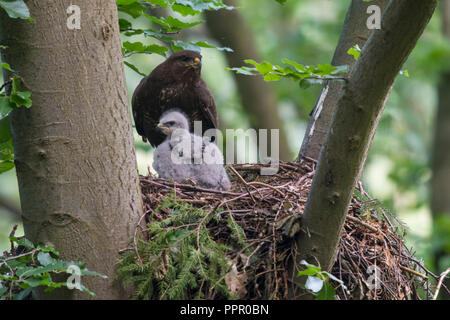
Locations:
(189, 187)
(414, 272)
(266, 185)
(441, 279)
(368, 226)
(135, 238)
(243, 182)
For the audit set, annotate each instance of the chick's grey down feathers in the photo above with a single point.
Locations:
(184, 156)
(175, 83)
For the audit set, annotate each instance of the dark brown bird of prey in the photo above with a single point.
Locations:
(175, 83)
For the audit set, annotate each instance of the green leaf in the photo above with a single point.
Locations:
(296, 65)
(45, 248)
(6, 66)
(139, 47)
(6, 148)
(134, 68)
(45, 258)
(21, 99)
(304, 83)
(134, 9)
(184, 10)
(26, 243)
(161, 3)
(202, 5)
(271, 77)
(86, 272)
(404, 73)
(2, 290)
(124, 24)
(5, 107)
(172, 24)
(6, 166)
(181, 45)
(243, 70)
(205, 44)
(310, 266)
(35, 282)
(125, 2)
(308, 272)
(15, 8)
(264, 67)
(340, 69)
(23, 294)
(326, 293)
(307, 82)
(355, 51)
(17, 97)
(325, 69)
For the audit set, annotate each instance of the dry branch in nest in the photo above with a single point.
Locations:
(267, 209)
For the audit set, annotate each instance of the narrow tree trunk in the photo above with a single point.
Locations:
(440, 182)
(353, 124)
(257, 97)
(74, 149)
(354, 32)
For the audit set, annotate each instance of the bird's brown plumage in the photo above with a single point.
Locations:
(174, 84)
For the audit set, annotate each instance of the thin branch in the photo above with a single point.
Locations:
(441, 279)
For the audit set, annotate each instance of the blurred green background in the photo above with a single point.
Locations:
(398, 169)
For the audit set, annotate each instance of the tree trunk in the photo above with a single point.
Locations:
(440, 181)
(353, 124)
(74, 149)
(257, 96)
(354, 32)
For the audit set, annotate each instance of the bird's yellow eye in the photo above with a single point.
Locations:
(196, 60)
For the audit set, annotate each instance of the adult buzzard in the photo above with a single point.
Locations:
(174, 84)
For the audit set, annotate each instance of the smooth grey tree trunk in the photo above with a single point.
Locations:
(74, 149)
(354, 32)
(440, 164)
(354, 121)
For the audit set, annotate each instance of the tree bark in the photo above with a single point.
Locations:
(74, 148)
(353, 124)
(257, 96)
(440, 164)
(353, 32)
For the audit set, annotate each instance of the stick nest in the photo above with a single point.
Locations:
(267, 208)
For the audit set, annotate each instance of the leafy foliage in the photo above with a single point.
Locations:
(16, 98)
(28, 266)
(303, 74)
(318, 282)
(169, 25)
(16, 9)
(8, 103)
(181, 260)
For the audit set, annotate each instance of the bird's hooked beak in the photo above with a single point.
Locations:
(163, 128)
(197, 63)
